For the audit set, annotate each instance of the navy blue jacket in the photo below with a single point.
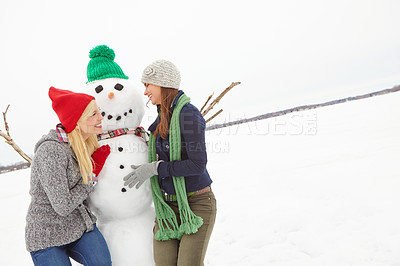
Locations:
(193, 152)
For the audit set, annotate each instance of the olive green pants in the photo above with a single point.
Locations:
(191, 249)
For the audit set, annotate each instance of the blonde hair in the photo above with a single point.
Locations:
(84, 149)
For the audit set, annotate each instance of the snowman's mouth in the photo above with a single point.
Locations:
(115, 116)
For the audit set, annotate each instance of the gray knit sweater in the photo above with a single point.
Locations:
(58, 213)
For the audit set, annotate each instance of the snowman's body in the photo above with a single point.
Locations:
(125, 216)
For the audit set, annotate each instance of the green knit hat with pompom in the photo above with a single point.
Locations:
(102, 65)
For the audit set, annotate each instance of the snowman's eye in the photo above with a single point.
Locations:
(99, 89)
(118, 87)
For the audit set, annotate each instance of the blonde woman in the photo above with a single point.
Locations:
(59, 224)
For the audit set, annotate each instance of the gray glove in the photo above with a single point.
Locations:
(140, 174)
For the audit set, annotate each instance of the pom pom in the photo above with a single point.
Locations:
(102, 51)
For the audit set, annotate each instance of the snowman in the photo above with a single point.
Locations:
(125, 216)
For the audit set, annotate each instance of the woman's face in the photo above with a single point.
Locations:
(153, 92)
(92, 124)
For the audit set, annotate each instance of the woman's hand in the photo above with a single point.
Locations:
(99, 157)
(140, 174)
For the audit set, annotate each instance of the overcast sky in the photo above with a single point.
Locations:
(285, 53)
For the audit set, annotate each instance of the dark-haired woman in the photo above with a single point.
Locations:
(184, 202)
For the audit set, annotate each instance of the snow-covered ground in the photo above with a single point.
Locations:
(319, 187)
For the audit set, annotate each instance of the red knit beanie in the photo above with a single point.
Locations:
(69, 106)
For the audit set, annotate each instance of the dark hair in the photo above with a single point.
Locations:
(167, 96)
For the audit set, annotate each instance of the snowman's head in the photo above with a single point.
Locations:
(120, 102)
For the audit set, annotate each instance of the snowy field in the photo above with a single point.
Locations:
(319, 187)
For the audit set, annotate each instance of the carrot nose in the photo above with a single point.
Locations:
(111, 95)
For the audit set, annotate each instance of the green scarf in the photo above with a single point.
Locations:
(167, 221)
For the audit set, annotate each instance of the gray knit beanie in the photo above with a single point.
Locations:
(162, 73)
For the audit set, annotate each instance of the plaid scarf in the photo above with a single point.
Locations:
(167, 221)
(62, 135)
(139, 131)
